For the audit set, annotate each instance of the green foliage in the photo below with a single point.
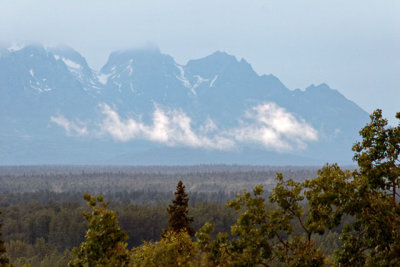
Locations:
(378, 154)
(38, 254)
(4, 260)
(261, 235)
(328, 196)
(174, 249)
(299, 249)
(213, 252)
(67, 226)
(105, 242)
(247, 244)
(374, 236)
(179, 219)
(251, 231)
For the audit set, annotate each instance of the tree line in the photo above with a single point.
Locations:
(113, 180)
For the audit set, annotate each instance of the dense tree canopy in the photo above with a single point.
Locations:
(105, 243)
(4, 260)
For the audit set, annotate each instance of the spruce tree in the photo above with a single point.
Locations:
(179, 219)
(4, 261)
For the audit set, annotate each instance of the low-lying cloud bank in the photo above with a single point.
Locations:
(274, 127)
(71, 128)
(266, 124)
(170, 127)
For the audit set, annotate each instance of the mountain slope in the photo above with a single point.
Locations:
(144, 108)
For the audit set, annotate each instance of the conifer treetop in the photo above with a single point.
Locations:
(179, 213)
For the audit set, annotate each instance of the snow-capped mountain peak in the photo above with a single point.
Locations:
(214, 108)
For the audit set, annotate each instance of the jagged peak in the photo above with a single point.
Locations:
(23, 46)
(217, 56)
(271, 77)
(38, 48)
(16, 47)
(322, 86)
(60, 48)
(147, 50)
(275, 81)
(324, 89)
(27, 47)
(147, 54)
(217, 63)
(69, 53)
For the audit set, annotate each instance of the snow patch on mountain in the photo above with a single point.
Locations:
(129, 67)
(213, 80)
(118, 84)
(182, 77)
(40, 87)
(16, 47)
(103, 78)
(73, 66)
(132, 88)
(199, 81)
(185, 81)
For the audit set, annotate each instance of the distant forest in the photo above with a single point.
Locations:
(110, 180)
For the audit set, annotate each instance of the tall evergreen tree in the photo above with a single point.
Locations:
(179, 219)
(4, 260)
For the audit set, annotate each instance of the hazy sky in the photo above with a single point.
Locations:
(353, 46)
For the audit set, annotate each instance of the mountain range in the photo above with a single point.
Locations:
(143, 108)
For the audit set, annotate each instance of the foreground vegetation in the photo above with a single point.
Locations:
(341, 217)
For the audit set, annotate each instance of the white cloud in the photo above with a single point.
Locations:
(267, 125)
(171, 127)
(274, 128)
(71, 128)
(209, 126)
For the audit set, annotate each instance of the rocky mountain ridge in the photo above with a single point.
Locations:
(144, 108)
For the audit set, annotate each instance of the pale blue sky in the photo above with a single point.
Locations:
(354, 46)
